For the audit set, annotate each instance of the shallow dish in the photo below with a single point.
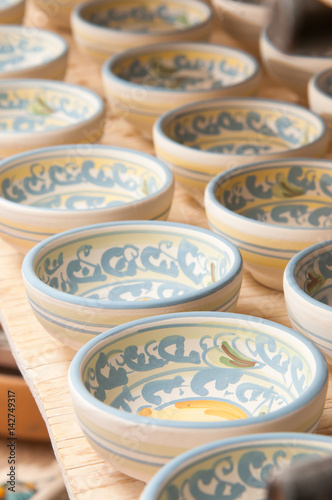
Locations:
(271, 211)
(291, 69)
(12, 11)
(242, 465)
(320, 95)
(37, 113)
(104, 27)
(308, 294)
(86, 280)
(43, 55)
(148, 81)
(50, 190)
(243, 20)
(201, 140)
(152, 389)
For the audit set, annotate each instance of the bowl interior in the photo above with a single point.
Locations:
(20, 50)
(43, 107)
(243, 129)
(295, 195)
(199, 370)
(313, 274)
(183, 68)
(324, 83)
(74, 180)
(155, 16)
(135, 263)
(244, 468)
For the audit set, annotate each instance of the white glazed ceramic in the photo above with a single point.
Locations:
(144, 83)
(11, 11)
(102, 28)
(84, 281)
(237, 468)
(51, 190)
(244, 20)
(271, 211)
(202, 140)
(308, 293)
(150, 390)
(320, 95)
(37, 113)
(292, 70)
(32, 53)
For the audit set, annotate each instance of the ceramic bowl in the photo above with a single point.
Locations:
(201, 140)
(308, 293)
(320, 95)
(243, 20)
(104, 27)
(36, 54)
(144, 83)
(241, 465)
(37, 113)
(86, 280)
(150, 390)
(271, 211)
(12, 11)
(51, 190)
(293, 70)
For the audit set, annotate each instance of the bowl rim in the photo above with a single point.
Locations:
(19, 30)
(178, 464)
(291, 282)
(76, 367)
(264, 37)
(109, 77)
(317, 79)
(28, 267)
(218, 180)
(25, 83)
(168, 182)
(223, 103)
(243, 4)
(77, 16)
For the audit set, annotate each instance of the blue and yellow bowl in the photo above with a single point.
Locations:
(23, 55)
(308, 293)
(152, 389)
(12, 11)
(86, 280)
(320, 95)
(202, 140)
(51, 190)
(242, 466)
(271, 211)
(102, 28)
(144, 83)
(37, 113)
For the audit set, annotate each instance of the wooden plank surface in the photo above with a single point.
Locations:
(44, 362)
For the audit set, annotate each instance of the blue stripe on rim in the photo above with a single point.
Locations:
(14, 30)
(191, 457)
(91, 149)
(221, 103)
(90, 347)
(218, 180)
(205, 9)
(31, 257)
(54, 85)
(205, 47)
(289, 275)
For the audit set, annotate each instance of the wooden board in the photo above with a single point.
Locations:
(44, 362)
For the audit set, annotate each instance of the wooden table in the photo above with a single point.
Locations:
(44, 362)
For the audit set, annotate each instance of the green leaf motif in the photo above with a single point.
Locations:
(314, 282)
(284, 189)
(39, 106)
(235, 358)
